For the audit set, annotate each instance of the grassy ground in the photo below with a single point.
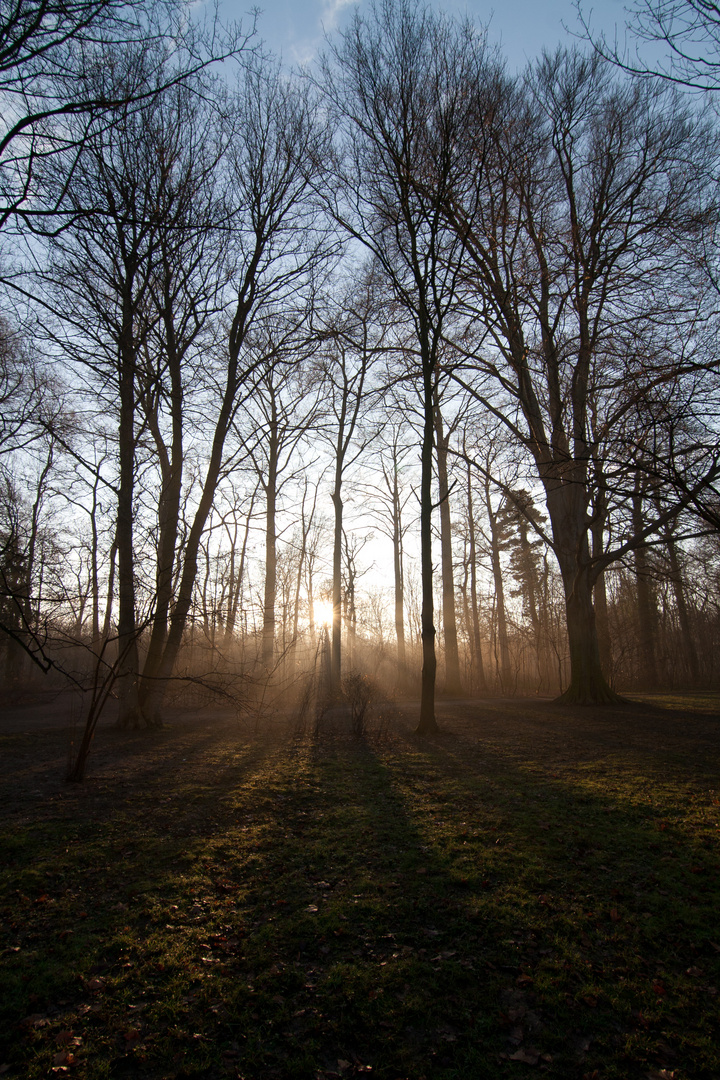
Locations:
(534, 890)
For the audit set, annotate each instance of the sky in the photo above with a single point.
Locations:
(295, 28)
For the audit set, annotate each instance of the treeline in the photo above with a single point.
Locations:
(265, 331)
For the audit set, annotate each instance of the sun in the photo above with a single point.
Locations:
(324, 612)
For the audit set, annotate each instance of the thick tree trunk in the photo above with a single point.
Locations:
(452, 656)
(567, 509)
(588, 685)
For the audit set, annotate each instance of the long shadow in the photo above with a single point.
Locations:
(428, 908)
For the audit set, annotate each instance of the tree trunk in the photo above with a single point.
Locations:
(452, 657)
(532, 590)
(183, 600)
(646, 611)
(477, 660)
(237, 577)
(568, 515)
(127, 681)
(588, 685)
(268, 638)
(398, 582)
(505, 675)
(678, 585)
(336, 646)
(428, 723)
(171, 469)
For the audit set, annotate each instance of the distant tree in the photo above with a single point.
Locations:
(521, 519)
(275, 419)
(477, 669)
(388, 507)
(355, 340)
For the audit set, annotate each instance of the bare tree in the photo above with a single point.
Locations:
(687, 32)
(51, 109)
(277, 417)
(355, 341)
(388, 507)
(130, 287)
(443, 435)
(584, 199)
(279, 248)
(398, 88)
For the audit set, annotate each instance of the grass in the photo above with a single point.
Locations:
(534, 890)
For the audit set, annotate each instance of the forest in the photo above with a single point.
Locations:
(397, 364)
(359, 547)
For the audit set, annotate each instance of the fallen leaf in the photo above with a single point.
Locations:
(34, 1020)
(528, 1057)
(524, 980)
(65, 1038)
(65, 1057)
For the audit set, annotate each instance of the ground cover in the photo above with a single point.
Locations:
(536, 889)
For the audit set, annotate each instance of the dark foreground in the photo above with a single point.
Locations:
(534, 890)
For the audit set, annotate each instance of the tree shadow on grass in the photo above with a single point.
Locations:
(432, 908)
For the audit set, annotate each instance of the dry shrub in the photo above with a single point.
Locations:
(360, 693)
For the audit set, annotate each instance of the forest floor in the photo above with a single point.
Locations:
(536, 889)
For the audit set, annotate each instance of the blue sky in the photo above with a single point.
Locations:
(522, 27)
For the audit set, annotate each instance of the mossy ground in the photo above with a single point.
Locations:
(535, 889)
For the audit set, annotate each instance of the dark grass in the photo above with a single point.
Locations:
(536, 889)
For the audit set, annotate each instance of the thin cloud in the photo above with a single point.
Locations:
(330, 12)
(304, 49)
